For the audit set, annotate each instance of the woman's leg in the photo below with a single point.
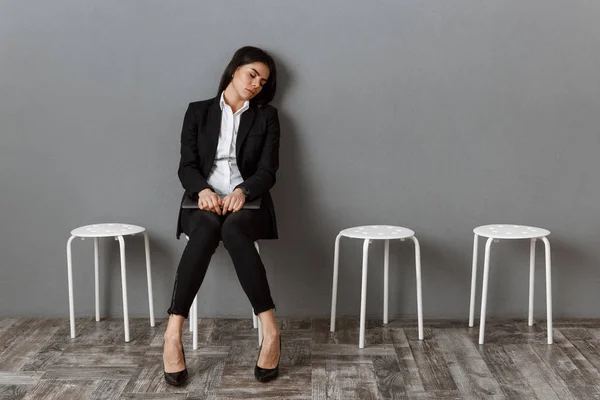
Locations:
(203, 229)
(239, 231)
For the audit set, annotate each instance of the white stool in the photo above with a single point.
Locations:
(193, 316)
(368, 233)
(495, 232)
(109, 230)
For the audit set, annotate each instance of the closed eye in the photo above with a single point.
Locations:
(253, 74)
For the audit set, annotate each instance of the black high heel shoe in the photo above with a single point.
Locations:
(177, 378)
(265, 374)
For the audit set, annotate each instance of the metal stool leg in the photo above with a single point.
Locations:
(363, 295)
(486, 269)
(419, 292)
(124, 287)
(149, 278)
(473, 282)
(260, 333)
(96, 280)
(548, 289)
(191, 314)
(70, 283)
(255, 319)
(336, 263)
(194, 323)
(531, 280)
(386, 276)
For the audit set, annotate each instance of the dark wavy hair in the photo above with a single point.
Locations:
(247, 55)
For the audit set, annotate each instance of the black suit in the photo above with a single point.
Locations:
(257, 153)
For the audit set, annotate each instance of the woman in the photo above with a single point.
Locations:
(229, 156)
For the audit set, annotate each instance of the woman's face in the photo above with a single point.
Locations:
(248, 80)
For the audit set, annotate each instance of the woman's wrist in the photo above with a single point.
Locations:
(243, 190)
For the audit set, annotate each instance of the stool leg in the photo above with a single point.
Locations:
(473, 281)
(194, 323)
(191, 314)
(336, 263)
(149, 278)
(419, 293)
(363, 294)
(254, 317)
(96, 279)
(260, 335)
(486, 269)
(531, 279)
(124, 287)
(548, 290)
(70, 283)
(386, 275)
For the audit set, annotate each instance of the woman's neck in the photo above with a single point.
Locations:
(232, 99)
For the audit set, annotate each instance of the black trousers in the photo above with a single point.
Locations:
(238, 231)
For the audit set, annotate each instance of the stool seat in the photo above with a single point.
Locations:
(107, 230)
(511, 231)
(377, 232)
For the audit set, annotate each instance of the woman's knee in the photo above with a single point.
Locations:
(202, 225)
(234, 229)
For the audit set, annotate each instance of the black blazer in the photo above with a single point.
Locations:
(257, 153)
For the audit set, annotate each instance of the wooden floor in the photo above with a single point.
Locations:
(38, 360)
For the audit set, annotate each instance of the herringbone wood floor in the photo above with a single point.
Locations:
(38, 360)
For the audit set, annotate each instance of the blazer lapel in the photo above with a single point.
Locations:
(213, 127)
(246, 121)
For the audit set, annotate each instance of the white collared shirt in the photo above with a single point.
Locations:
(225, 175)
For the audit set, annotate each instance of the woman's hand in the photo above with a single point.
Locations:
(210, 201)
(234, 201)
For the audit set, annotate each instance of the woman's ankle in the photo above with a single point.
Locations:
(272, 333)
(174, 329)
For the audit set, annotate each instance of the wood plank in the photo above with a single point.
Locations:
(27, 344)
(89, 373)
(20, 378)
(409, 370)
(10, 392)
(512, 382)
(207, 374)
(590, 350)
(348, 353)
(108, 389)
(542, 380)
(344, 381)
(588, 371)
(238, 382)
(433, 367)
(156, 396)
(388, 377)
(440, 394)
(52, 390)
(467, 367)
(224, 331)
(555, 359)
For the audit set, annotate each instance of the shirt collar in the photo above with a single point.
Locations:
(241, 110)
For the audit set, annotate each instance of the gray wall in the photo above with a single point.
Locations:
(435, 115)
